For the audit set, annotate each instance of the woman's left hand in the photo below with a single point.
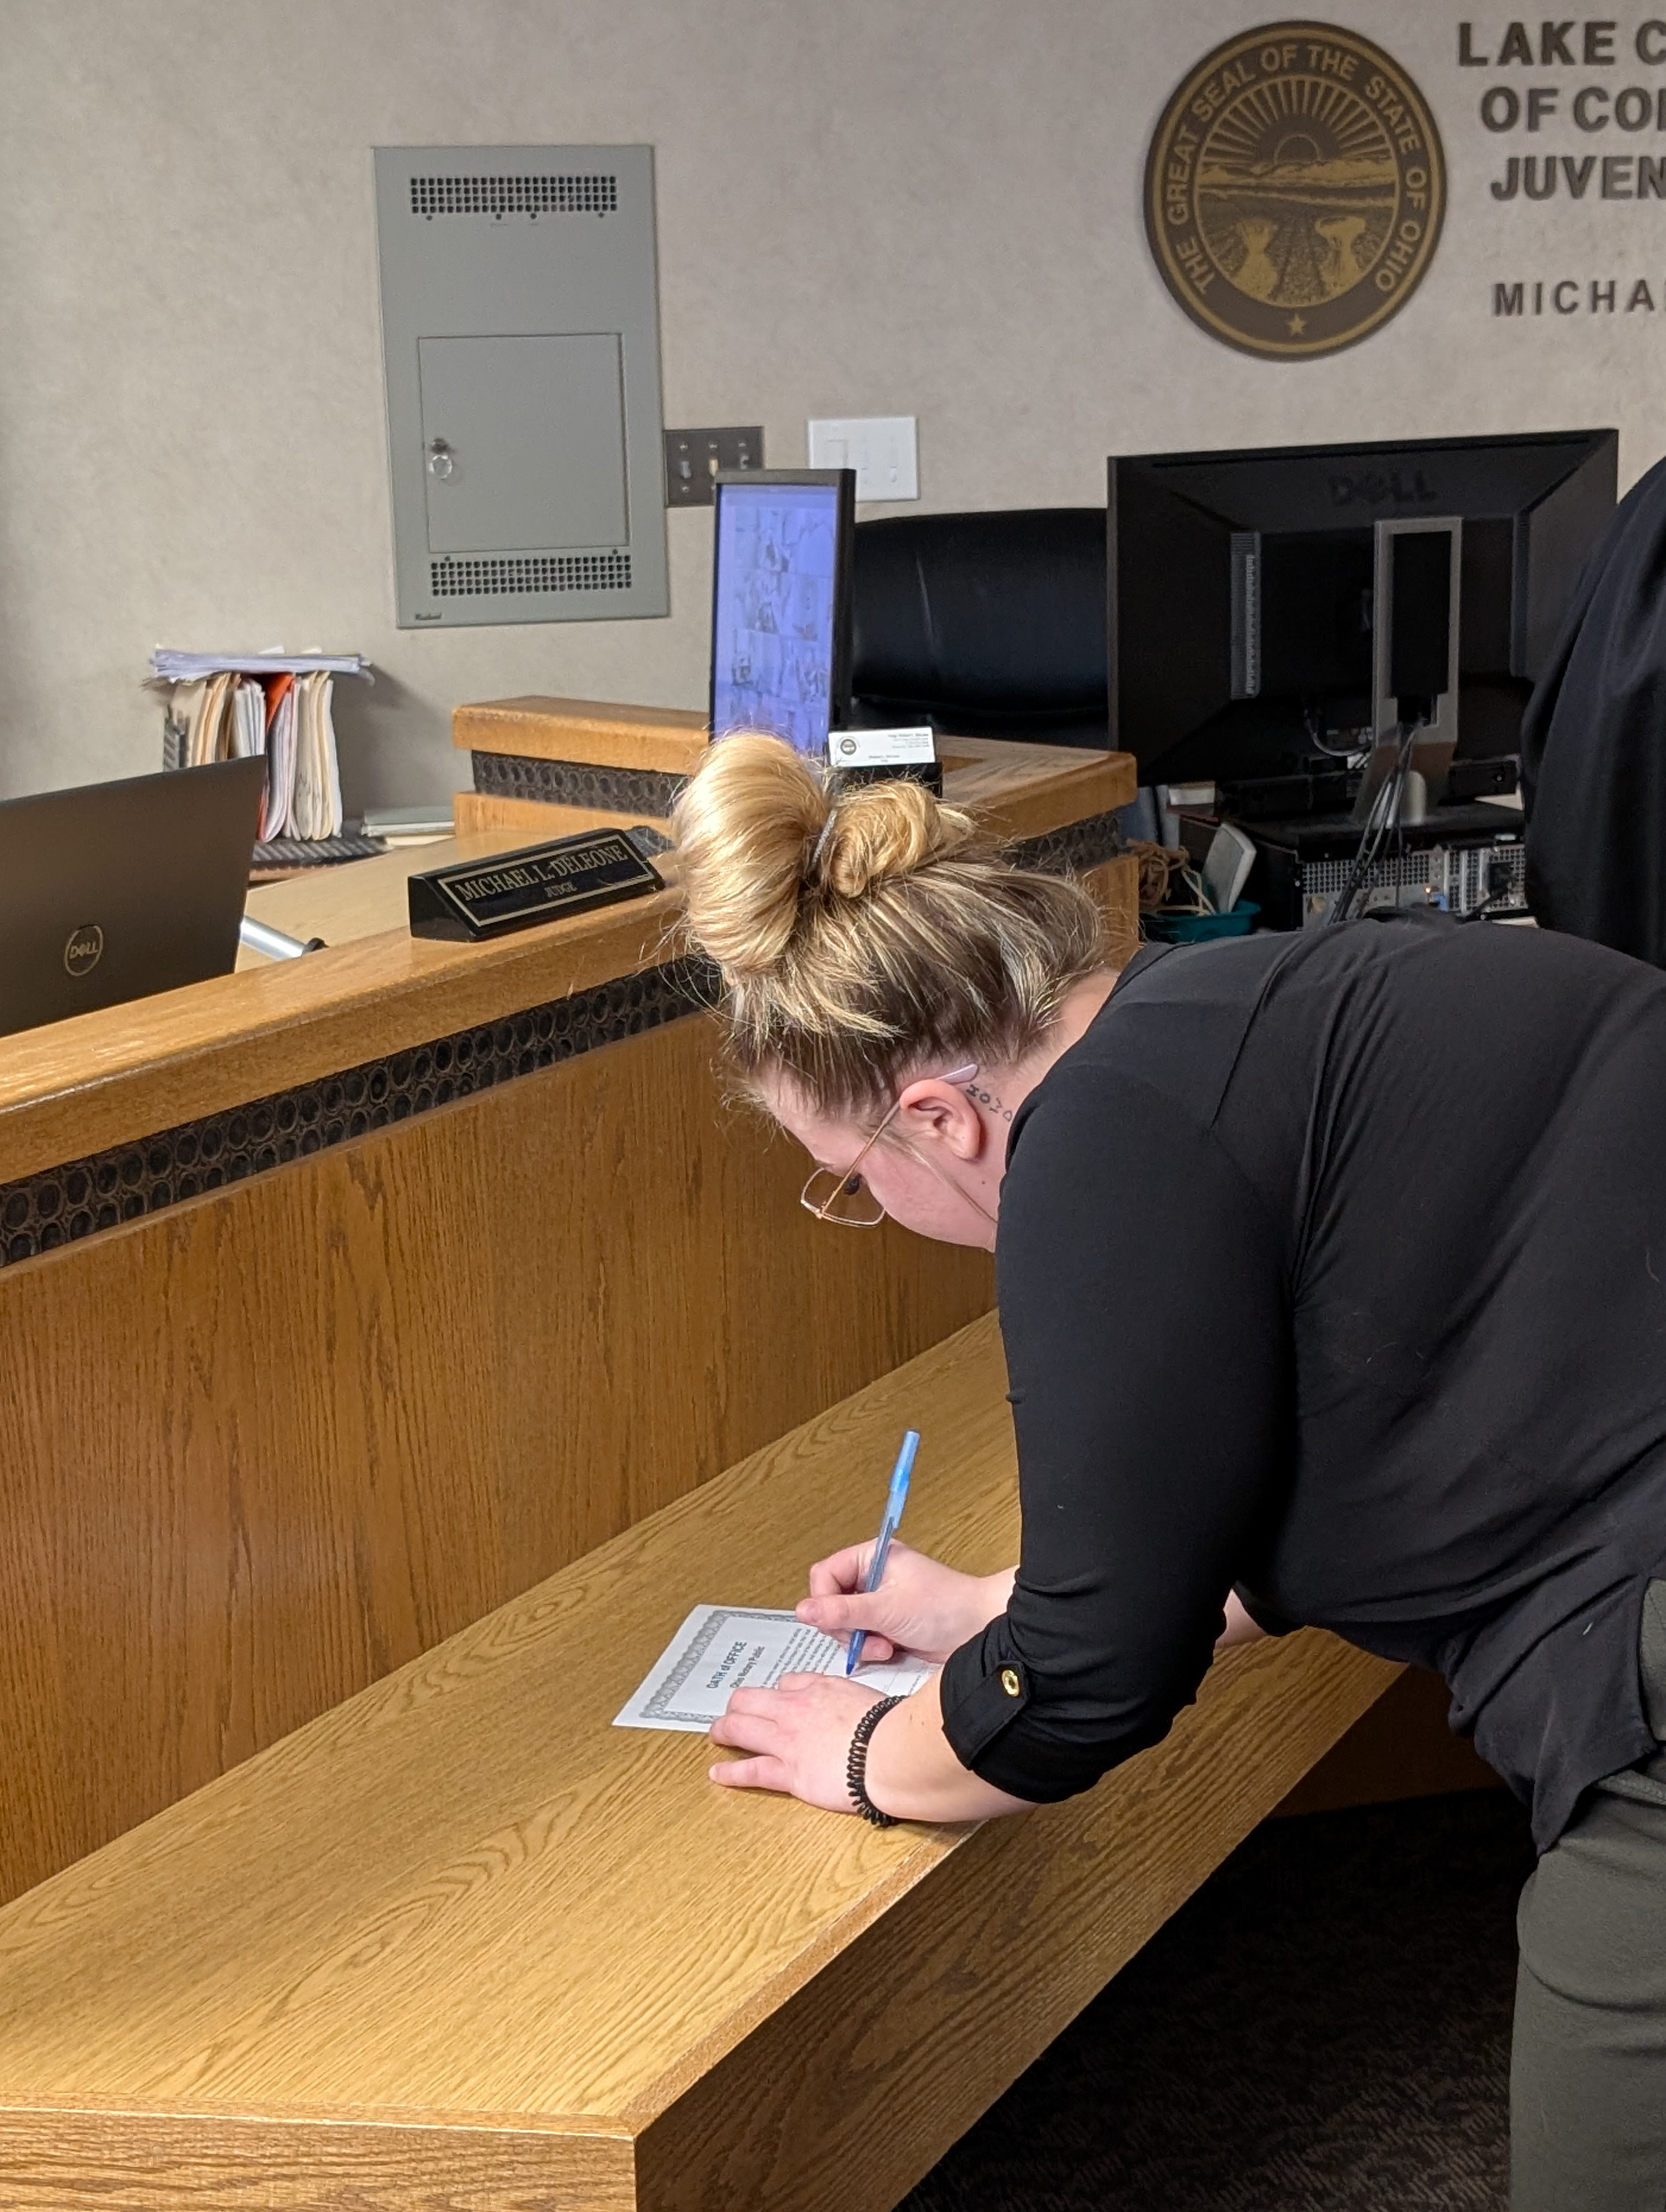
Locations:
(797, 1736)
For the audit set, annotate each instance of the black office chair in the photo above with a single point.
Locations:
(1593, 744)
(985, 625)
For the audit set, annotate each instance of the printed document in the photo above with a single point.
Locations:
(720, 1649)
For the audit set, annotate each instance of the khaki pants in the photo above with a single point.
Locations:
(1588, 2066)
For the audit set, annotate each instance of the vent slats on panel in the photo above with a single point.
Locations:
(500, 195)
(499, 574)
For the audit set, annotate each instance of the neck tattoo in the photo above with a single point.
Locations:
(987, 1098)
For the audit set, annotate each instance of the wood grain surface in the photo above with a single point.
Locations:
(104, 1078)
(60, 2157)
(857, 2085)
(1402, 1747)
(532, 818)
(363, 898)
(1022, 790)
(259, 1449)
(666, 741)
(464, 1899)
(1025, 790)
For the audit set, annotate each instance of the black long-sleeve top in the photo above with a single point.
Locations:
(1332, 1267)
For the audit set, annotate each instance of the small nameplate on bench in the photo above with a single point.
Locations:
(859, 756)
(474, 899)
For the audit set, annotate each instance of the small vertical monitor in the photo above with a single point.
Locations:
(781, 604)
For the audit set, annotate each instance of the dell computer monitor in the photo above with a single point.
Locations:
(1246, 590)
(781, 604)
(117, 890)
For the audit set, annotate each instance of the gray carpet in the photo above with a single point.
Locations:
(1324, 2027)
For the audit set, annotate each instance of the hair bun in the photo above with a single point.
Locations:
(744, 826)
(882, 830)
(866, 934)
(756, 832)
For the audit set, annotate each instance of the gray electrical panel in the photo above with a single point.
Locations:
(520, 338)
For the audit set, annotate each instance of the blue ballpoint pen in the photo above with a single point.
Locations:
(896, 1499)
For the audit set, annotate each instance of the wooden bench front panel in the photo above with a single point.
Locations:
(259, 1450)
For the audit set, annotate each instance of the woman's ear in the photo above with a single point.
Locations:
(933, 1111)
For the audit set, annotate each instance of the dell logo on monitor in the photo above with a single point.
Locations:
(1379, 488)
(84, 950)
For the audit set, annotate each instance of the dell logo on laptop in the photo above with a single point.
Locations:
(84, 950)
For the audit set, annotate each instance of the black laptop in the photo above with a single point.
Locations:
(117, 890)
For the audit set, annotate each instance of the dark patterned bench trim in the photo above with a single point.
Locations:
(1070, 851)
(64, 1204)
(61, 1205)
(577, 783)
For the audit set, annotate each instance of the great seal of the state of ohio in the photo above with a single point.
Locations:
(1294, 190)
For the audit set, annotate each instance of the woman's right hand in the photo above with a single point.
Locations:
(921, 1606)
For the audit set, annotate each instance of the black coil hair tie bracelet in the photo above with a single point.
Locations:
(855, 1766)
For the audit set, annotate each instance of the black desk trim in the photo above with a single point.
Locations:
(1076, 847)
(577, 783)
(61, 1205)
(43, 1213)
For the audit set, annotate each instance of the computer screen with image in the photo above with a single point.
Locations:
(780, 605)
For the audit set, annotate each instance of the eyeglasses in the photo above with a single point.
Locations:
(843, 1196)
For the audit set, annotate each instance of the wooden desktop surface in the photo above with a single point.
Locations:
(362, 898)
(109, 1078)
(462, 1940)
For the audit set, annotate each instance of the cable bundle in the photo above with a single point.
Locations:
(1382, 829)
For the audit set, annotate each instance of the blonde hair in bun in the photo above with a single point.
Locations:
(867, 935)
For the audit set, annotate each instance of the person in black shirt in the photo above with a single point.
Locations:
(1331, 1277)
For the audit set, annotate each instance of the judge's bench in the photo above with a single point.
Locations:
(398, 1340)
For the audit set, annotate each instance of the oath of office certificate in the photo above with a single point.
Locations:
(720, 1649)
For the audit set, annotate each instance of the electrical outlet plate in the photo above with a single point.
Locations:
(883, 449)
(693, 458)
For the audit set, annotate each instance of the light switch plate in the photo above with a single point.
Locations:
(693, 458)
(881, 448)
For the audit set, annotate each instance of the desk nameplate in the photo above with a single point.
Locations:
(475, 899)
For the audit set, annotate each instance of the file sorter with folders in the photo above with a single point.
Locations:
(230, 707)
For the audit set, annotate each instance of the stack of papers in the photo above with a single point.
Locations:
(315, 795)
(720, 1649)
(278, 803)
(230, 707)
(410, 825)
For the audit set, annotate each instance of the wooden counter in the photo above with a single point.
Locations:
(540, 762)
(463, 1943)
(343, 1298)
(366, 899)
(114, 1077)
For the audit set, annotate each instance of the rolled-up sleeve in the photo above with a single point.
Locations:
(1145, 1310)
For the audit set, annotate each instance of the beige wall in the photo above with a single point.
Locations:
(866, 206)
